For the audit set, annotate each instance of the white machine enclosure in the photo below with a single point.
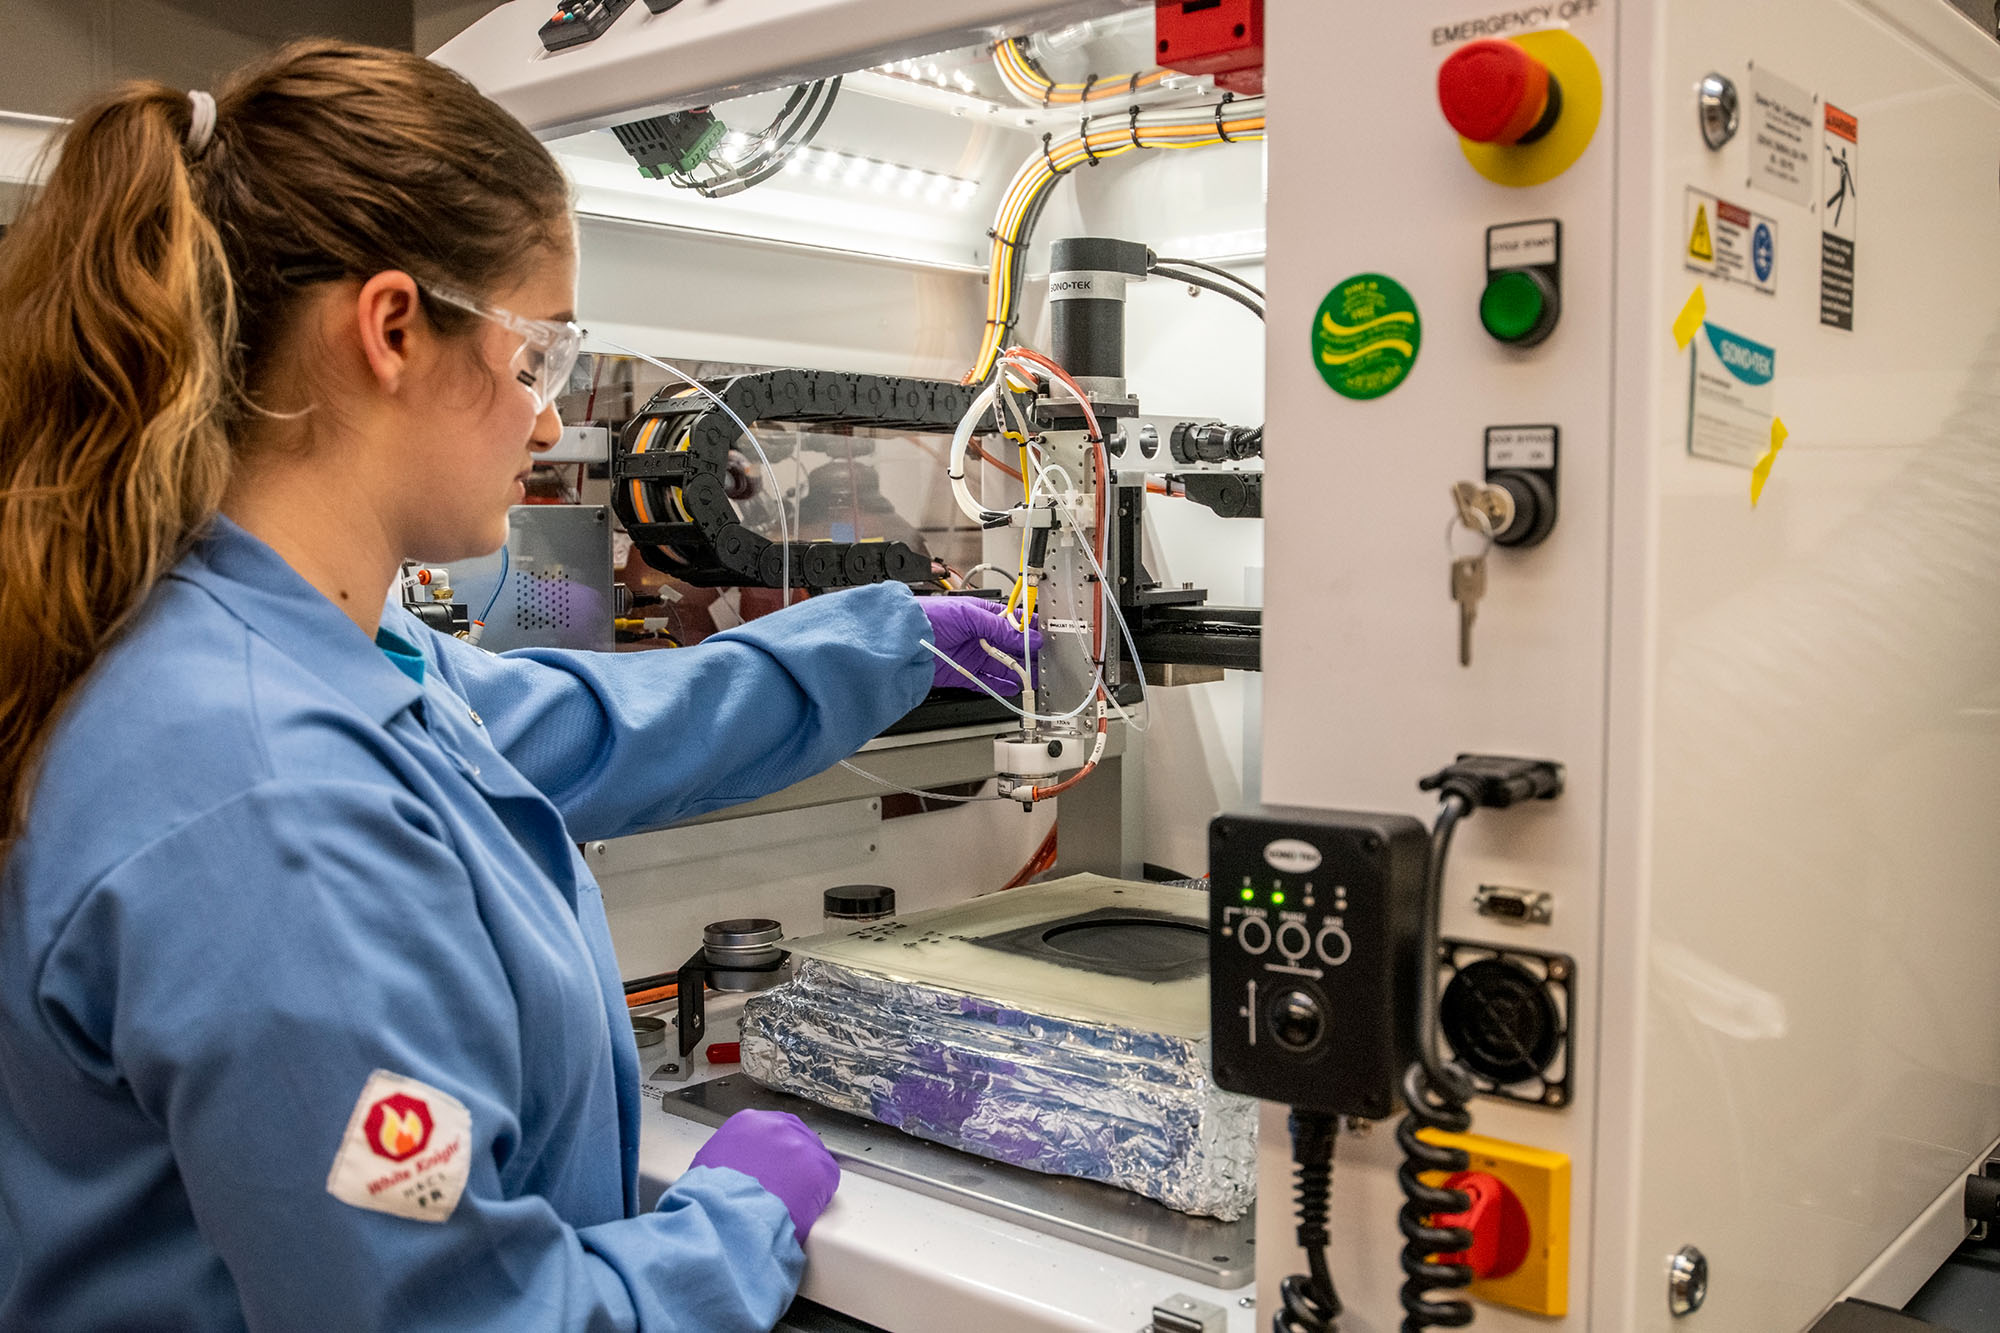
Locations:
(1775, 858)
(1774, 861)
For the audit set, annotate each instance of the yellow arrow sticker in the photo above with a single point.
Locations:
(1688, 322)
(1760, 471)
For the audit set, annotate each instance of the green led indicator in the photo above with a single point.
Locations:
(1248, 895)
(1277, 900)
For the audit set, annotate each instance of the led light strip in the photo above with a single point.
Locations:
(848, 169)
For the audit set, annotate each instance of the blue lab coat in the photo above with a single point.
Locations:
(264, 862)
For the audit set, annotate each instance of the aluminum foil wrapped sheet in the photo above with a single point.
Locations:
(1048, 1067)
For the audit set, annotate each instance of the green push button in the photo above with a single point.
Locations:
(1519, 307)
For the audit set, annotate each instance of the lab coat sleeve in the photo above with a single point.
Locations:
(246, 975)
(622, 742)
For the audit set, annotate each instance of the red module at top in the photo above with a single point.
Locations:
(1221, 38)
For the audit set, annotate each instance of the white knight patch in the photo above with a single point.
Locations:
(407, 1150)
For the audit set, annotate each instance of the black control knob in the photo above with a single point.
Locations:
(1534, 508)
(1297, 1020)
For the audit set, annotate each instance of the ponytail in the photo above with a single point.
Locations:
(115, 309)
(143, 293)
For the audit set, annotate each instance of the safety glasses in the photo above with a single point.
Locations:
(549, 347)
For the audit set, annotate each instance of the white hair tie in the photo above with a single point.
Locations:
(201, 125)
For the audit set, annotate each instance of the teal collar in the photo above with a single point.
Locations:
(409, 658)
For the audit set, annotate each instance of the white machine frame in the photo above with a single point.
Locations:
(1774, 861)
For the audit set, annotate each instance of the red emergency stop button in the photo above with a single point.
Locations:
(1492, 91)
(1497, 1221)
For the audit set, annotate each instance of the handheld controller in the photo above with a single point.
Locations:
(1315, 932)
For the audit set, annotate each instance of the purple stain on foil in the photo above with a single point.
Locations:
(933, 1103)
(1022, 1150)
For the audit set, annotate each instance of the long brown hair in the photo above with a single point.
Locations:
(145, 288)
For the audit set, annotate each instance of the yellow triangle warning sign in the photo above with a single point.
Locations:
(1699, 245)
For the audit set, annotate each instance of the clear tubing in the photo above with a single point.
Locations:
(879, 780)
(784, 528)
(1066, 497)
(979, 569)
(1097, 683)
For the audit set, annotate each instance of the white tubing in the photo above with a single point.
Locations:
(955, 468)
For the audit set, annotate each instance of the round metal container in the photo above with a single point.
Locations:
(847, 903)
(743, 943)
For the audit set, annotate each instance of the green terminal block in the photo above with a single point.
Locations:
(672, 144)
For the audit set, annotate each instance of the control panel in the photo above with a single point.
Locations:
(1315, 926)
(578, 21)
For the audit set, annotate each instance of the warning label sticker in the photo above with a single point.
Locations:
(1781, 125)
(1840, 143)
(1727, 241)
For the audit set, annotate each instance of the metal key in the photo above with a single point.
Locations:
(1495, 502)
(1468, 585)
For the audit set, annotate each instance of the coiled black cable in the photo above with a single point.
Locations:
(1436, 1094)
(1310, 1303)
(1431, 1107)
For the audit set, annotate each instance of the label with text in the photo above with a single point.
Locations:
(1520, 447)
(1730, 405)
(407, 1150)
(1728, 241)
(1781, 122)
(1522, 244)
(1523, 18)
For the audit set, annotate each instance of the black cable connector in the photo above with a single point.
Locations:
(1496, 781)
(1434, 1090)
(1308, 1300)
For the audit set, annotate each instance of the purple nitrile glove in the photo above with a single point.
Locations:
(960, 625)
(777, 1151)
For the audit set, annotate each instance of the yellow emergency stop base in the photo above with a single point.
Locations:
(1540, 1179)
(1575, 71)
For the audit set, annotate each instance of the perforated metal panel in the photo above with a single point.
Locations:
(542, 600)
(557, 590)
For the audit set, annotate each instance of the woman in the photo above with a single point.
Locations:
(308, 1011)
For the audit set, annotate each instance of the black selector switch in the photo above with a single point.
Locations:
(578, 21)
(1521, 460)
(1315, 929)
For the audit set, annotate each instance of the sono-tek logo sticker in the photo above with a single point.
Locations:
(1291, 856)
(407, 1150)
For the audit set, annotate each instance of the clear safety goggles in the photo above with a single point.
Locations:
(549, 347)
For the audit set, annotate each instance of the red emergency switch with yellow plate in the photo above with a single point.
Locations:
(1519, 1219)
(1494, 91)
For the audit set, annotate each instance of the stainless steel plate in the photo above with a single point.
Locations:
(1098, 1217)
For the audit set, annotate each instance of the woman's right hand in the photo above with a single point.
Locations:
(778, 1152)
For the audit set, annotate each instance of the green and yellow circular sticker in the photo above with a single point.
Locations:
(1366, 336)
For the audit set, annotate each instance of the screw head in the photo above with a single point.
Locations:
(1720, 112)
(1687, 1281)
